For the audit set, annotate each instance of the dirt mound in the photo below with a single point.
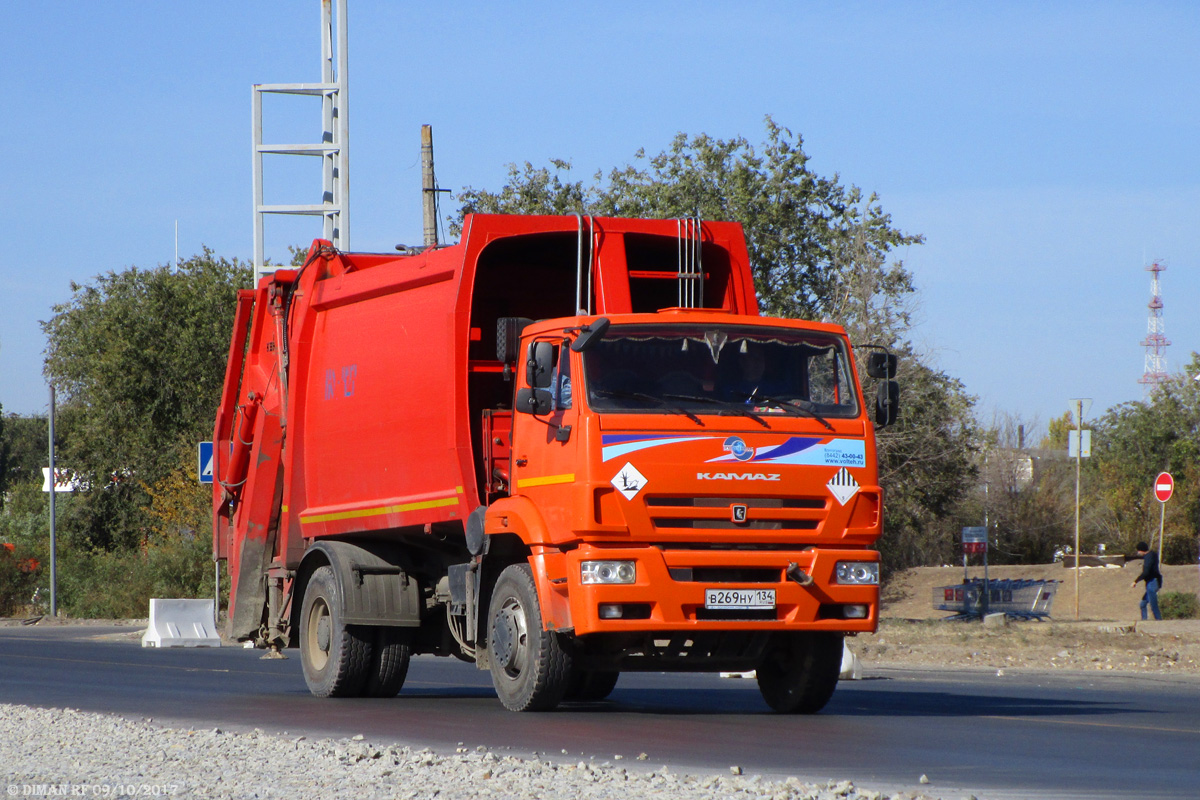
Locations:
(1104, 592)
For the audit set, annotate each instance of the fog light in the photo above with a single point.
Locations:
(855, 612)
(858, 573)
(607, 572)
(610, 611)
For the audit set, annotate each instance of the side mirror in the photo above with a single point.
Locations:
(508, 338)
(590, 334)
(539, 364)
(887, 403)
(533, 401)
(881, 365)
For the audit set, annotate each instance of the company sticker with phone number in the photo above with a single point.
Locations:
(804, 450)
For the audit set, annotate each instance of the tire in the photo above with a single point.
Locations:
(530, 669)
(336, 657)
(389, 662)
(590, 685)
(800, 671)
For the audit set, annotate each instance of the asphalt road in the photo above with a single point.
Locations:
(1048, 735)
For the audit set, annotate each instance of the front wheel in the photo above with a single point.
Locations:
(800, 671)
(530, 669)
(336, 657)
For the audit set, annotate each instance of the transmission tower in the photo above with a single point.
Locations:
(1156, 342)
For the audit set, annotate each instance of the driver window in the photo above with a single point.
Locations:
(560, 386)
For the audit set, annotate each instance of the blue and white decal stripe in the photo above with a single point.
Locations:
(623, 445)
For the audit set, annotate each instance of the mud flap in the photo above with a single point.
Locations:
(376, 590)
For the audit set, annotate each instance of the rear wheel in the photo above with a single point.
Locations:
(389, 663)
(336, 657)
(530, 669)
(588, 685)
(800, 672)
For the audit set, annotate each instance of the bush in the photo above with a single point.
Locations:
(119, 584)
(1178, 605)
(95, 584)
(19, 577)
(18, 581)
(172, 558)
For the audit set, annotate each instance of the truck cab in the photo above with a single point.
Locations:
(698, 487)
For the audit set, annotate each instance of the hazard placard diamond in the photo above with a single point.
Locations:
(629, 481)
(842, 486)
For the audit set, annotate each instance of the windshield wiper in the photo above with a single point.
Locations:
(742, 411)
(658, 401)
(695, 398)
(726, 408)
(804, 407)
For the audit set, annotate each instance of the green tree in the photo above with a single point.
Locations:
(529, 190)
(138, 358)
(926, 466)
(1132, 443)
(802, 230)
(818, 250)
(1058, 432)
(23, 451)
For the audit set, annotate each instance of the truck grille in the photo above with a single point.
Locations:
(716, 513)
(726, 574)
(751, 525)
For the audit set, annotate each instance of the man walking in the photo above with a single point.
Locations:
(1152, 577)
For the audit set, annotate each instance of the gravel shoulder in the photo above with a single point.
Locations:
(73, 753)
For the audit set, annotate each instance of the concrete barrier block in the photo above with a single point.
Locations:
(851, 666)
(181, 623)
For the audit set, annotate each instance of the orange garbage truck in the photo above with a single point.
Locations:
(562, 448)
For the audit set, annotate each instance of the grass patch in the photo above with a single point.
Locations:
(1178, 605)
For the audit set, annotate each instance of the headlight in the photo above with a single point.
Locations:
(607, 571)
(860, 573)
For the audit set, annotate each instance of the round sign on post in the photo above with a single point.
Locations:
(1164, 487)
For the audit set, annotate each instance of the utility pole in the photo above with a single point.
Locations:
(53, 492)
(987, 489)
(428, 187)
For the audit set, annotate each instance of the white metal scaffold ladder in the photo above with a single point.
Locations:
(333, 149)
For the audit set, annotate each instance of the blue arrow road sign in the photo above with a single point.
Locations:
(205, 462)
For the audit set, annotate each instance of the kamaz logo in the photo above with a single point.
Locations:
(737, 476)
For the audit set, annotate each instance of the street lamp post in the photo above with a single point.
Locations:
(1081, 407)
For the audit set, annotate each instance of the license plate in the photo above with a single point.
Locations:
(739, 598)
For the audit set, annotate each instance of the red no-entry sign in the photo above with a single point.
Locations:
(1164, 487)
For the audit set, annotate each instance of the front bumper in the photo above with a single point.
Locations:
(669, 593)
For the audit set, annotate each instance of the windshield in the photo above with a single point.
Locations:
(729, 370)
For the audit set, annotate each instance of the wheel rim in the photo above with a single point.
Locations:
(510, 638)
(318, 634)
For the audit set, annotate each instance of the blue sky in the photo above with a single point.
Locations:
(1047, 151)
